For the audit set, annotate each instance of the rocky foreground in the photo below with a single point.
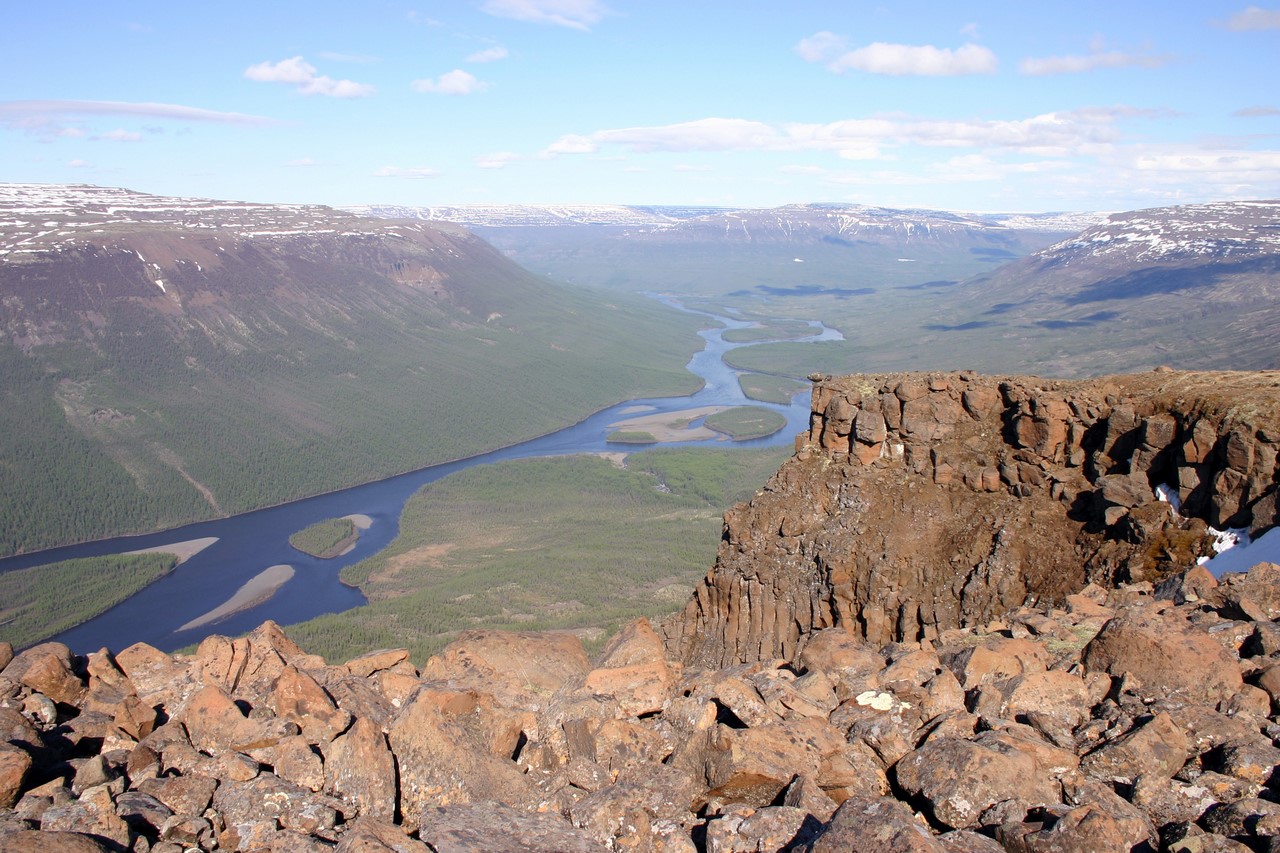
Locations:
(1130, 719)
(959, 619)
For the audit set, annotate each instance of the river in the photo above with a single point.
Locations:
(250, 543)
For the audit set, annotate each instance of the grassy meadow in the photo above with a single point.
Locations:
(571, 542)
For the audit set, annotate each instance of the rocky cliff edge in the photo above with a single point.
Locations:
(922, 502)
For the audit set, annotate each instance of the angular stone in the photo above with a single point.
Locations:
(370, 662)
(295, 760)
(186, 796)
(359, 768)
(48, 668)
(373, 835)
(502, 663)
(439, 762)
(754, 765)
(465, 828)
(270, 798)
(959, 779)
(1060, 695)
(875, 826)
(215, 723)
(769, 828)
(297, 697)
(31, 841)
(14, 764)
(1167, 656)
(1157, 748)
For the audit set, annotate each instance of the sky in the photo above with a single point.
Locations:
(977, 106)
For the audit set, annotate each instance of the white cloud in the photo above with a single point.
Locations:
(120, 135)
(1098, 57)
(303, 162)
(1257, 112)
(571, 144)
(409, 172)
(79, 164)
(918, 60)
(575, 14)
(176, 112)
(1254, 18)
(297, 72)
(498, 160)
(970, 31)
(1220, 164)
(455, 82)
(821, 47)
(1048, 134)
(897, 59)
(689, 167)
(490, 54)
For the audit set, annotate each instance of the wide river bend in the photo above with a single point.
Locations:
(249, 543)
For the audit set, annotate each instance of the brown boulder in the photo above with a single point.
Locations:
(874, 826)
(372, 835)
(754, 765)
(359, 768)
(1255, 594)
(1084, 829)
(958, 779)
(749, 830)
(520, 670)
(1167, 656)
(495, 827)
(215, 724)
(1158, 747)
(443, 762)
(14, 764)
(370, 662)
(297, 697)
(38, 841)
(269, 798)
(48, 668)
(187, 795)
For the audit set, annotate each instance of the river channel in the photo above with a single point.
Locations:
(250, 543)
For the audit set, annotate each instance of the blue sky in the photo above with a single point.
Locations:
(975, 106)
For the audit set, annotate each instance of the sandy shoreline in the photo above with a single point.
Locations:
(672, 426)
(184, 550)
(256, 590)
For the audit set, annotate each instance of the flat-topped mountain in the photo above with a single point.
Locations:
(1190, 286)
(706, 250)
(193, 357)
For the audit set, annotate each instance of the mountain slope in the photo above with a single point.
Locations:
(191, 358)
(715, 251)
(1190, 286)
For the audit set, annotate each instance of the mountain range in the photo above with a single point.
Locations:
(192, 358)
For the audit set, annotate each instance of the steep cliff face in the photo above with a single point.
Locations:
(918, 503)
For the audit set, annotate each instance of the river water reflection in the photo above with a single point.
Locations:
(249, 543)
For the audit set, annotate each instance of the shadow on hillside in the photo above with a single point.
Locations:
(1153, 281)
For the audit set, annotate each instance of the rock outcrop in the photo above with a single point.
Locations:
(1124, 720)
(922, 502)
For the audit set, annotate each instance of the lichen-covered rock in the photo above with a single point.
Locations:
(1167, 656)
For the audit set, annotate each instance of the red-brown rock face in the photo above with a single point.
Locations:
(917, 503)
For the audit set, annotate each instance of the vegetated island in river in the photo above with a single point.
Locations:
(42, 601)
(742, 423)
(331, 537)
(663, 427)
